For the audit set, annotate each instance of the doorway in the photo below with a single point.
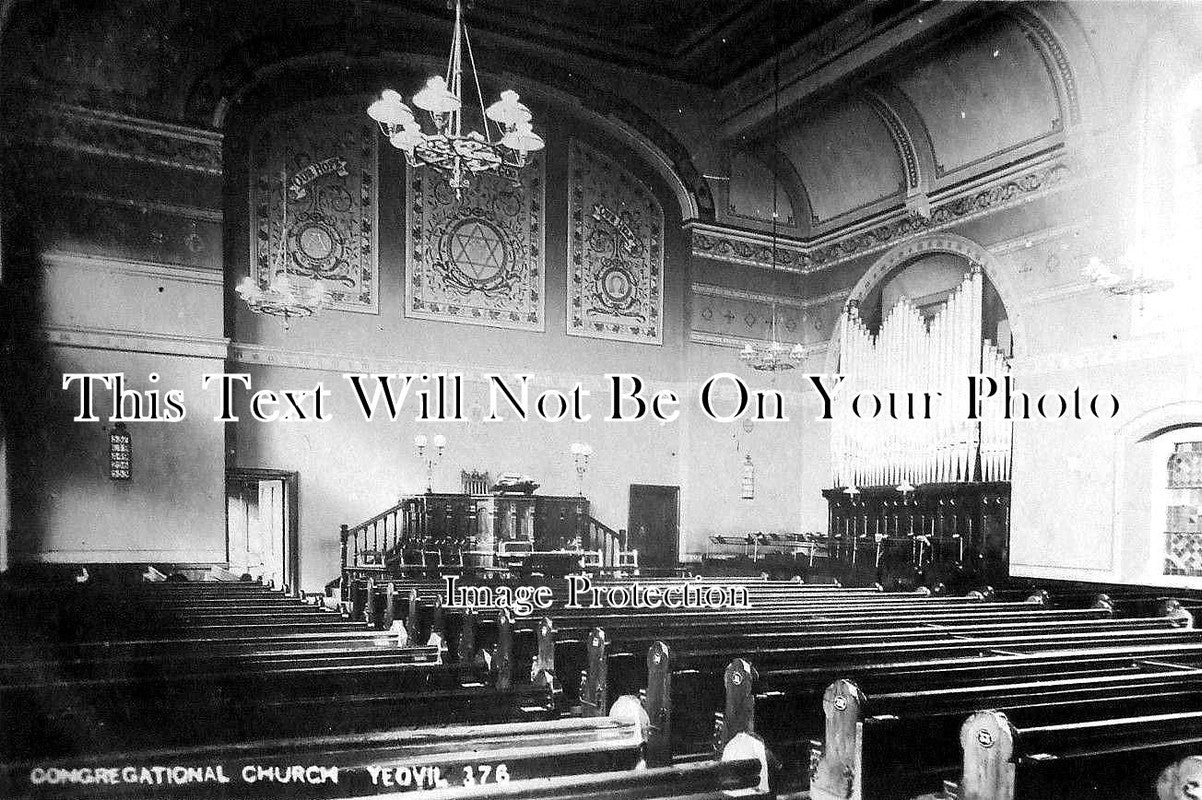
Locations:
(653, 527)
(261, 526)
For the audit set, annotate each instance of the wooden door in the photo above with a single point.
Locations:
(653, 527)
(261, 526)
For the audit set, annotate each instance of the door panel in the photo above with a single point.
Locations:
(257, 528)
(654, 524)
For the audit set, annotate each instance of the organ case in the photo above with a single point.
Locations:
(921, 499)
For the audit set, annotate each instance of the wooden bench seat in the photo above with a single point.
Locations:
(686, 688)
(892, 744)
(566, 655)
(1146, 755)
(395, 760)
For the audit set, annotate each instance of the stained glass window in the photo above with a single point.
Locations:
(1183, 517)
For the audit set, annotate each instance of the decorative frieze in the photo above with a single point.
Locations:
(744, 247)
(733, 317)
(114, 228)
(84, 130)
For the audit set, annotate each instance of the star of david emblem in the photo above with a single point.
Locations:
(475, 256)
(477, 249)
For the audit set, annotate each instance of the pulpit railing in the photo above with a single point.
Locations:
(433, 533)
(611, 545)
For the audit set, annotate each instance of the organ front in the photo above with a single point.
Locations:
(921, 498)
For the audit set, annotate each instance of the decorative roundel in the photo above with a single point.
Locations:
(984, 738)
(616, 285)
(475, 254)
(840, 702)
(316, 244)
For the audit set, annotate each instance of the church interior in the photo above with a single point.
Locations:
(493, 398)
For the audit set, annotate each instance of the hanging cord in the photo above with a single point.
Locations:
(479, 94)
(775, 147)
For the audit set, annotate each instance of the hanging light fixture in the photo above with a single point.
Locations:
(1130, 281)
(774, 355)
(450, 151)
(283, 293)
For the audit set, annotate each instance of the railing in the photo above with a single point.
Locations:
(366, 546)
(434, 531)
(611, 545)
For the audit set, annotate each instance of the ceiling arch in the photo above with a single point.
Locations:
(846, 160)
(972, 103)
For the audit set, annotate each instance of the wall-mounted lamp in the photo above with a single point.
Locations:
(431, 455)
(748, 481)
(120, 453)
(580, 454)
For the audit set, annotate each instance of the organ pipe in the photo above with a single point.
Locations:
(905, 358)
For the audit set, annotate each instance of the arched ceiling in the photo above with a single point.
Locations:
(986, 94)
(986, 89)
(975, 100)
(846, 160)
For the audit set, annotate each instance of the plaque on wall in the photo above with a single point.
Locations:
(615, 252)
(319, 158)
(476, 258)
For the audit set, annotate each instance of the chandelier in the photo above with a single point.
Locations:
(285, 294)
(448, 149)
(773, 355)
(1128, 282)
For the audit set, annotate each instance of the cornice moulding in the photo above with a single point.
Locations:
(710, 290)
(197, 213)
(87, 130)
(144, 269)
(136, 341)
(1015, 186)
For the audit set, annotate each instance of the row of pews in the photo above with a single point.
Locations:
(234, 690)
(859, 693)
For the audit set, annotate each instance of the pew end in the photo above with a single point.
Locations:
(544, 658)
(835, 770)
(987, 739)
(502, 665)
(1172, 609)
(594, 686)
(465, 647)
(411, 626)
(659, 704)
(389, 616)
(739, 713)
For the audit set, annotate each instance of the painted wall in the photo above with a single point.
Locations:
(351, 469)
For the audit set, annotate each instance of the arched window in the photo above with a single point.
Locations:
(1180, 495)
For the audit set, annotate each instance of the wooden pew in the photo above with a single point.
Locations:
(394, 760)
(890, 744)
(575, 627)
(274, 687)
(568, 655)
(135, 649)
(686, 687)
(1095, 759)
